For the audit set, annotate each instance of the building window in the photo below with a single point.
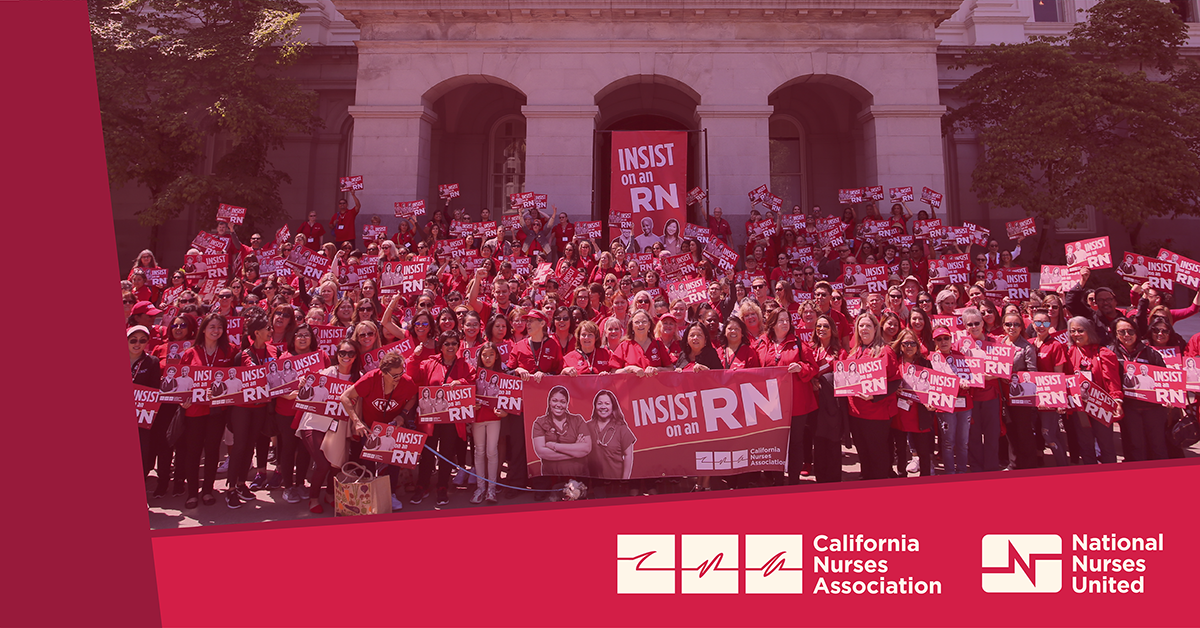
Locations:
(787, 151)
(1047, 11)
(507, 160)
(1185, 9)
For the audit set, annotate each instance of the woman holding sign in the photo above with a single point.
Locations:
(1021, 431)
(913, 421)
(1098, 364)
(1051, 358)
(779, 347)
(443, 369)
(204, 426)
(379, 396)
(1144, 426)
(246, 420)
(485, 431)
(871, 415)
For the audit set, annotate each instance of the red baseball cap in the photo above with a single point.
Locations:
(145, 307)
(940, 331)
(538, 314)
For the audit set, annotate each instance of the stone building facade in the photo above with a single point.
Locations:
(806, 96)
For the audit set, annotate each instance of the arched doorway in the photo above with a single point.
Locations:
(478, 142)
(643, 103)
(817, 143)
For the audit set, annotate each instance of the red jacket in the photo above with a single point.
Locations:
(1101, 362)
(804, 399)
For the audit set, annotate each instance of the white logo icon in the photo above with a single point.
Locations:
(645, 563)
(774, 563)
(722, 460)
(1022, 563)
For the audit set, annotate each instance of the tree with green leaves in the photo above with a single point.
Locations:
(176, 75)
(1076, 122)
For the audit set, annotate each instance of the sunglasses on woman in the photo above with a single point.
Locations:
(347, 354)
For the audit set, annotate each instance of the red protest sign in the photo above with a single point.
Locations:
(487, 230)
(448, 191)
(979, 235)
(758, 194)
(157, 276)
(696, 232)
(1187, 271)
(765, 228)
(1041, 390)
(1021, 228)
(322, 394)
(570, 279)
(859, 377)
(394, 445)
(720, 255)
(283, 375)
(451, 248)
(649, 178)
(862, 278)
(409, 277)
(374, 232)
(178, 382)
(316, 266)
(1161, 274)
(690, 291)
(773, 203)
(1097, 402)
(210, 243)
(922, 228)
(352, 183)
(695, 195)
(737, 424)
(498, 391)
(405, 209)
(931, 197)
(589, 228)
(1093, 253)
(1058, 278)
(231, 214)
(1016, 281)
(901, 195)
(847, 196)
(873, 192)
(446, 404)
(998, 358)
(217, 266)
(929, 387)
(239, 386)
(145, 405)
(328, 336)
(1155, 384)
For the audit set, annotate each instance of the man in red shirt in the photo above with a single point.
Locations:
(312, 231)
(719, 226)
(564, 232)
(342, 222)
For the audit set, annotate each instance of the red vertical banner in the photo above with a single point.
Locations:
(649, 180)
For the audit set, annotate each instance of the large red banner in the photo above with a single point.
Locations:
(671, 424)
(649, 180)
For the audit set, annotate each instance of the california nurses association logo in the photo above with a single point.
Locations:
(710, 563)
(1022, 563)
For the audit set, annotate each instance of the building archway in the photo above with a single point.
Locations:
(643, 103)
(817, 137)
(477, 141)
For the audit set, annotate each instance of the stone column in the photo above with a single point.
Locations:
(739, 158)
(390, 149)
(558, 155)
(904, 147)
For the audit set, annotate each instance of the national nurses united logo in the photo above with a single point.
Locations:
(1022, 563)
(710, 563)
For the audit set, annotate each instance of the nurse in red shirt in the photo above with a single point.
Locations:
(380, 396)
(983, 450)
(588, 358)
(532, 357)
(443, 369)
(204, 426)
(736, 351)
(871, 415)
(1052, 358)
(343, 221)
(1097, 363)
(640, 353)
(780, 348)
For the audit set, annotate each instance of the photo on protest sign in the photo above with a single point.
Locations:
(1058, 278)
(175, 351)
(589, 229)
(931, 197)
(241, 385)
(1191, 369)
(1021, 228)
(407, 209)
(360, 272)
(1154, 384)
(283, 374)
(758, 194)
(451, 248)
(1029, 389)
(968, 369)
(349, 184)
(1133, 268)
(374, 232)
(674, 424)
(649, 180)
(921, 228)
(322, 394)
(848, 196)
(145, 405)
(859, 377)
(1093, 253)
(1187, 271)
(721, 256)
(448, 191)
(446, 404)
(901, 194)
(696, 232)
(462, 229)
(873, 192)
(676, 267)
(498, 391)
(929, 387)
(394, 445)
